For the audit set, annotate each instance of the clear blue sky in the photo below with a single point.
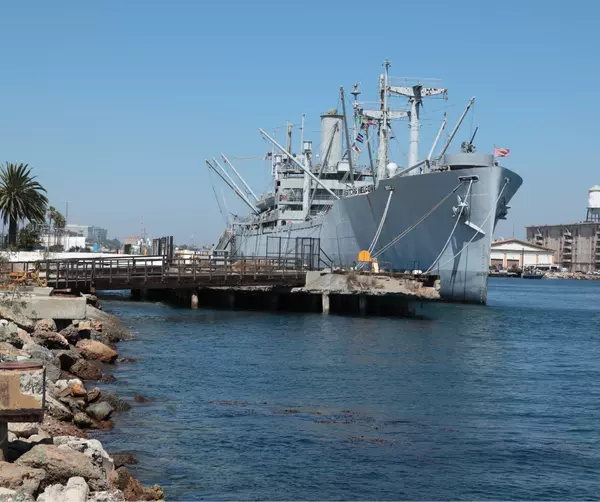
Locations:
(117, 104)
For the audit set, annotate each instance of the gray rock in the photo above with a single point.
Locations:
(116, 402)
(91, 448)
(76, 491)
(93, 395)
(100, 411)
(62, 463)
(24, 429)
(82, 421)
(7, 495)
(45, 356)
(74, 404)
(64, 359)
(45, 325)
(13, 312)
(57, 409)
(9, 333)
(9, 353)
(108, 496)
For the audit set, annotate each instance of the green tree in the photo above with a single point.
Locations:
(56, 216)
(29, 238)
(21, 198)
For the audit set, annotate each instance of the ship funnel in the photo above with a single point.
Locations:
(331, 138)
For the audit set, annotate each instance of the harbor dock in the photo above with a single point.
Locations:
(287, 284)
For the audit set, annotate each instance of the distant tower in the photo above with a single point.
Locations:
(593, 212)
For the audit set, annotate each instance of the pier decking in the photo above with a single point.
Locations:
(158, 272)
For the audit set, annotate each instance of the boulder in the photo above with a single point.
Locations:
(116, 402)
(7, 495)
(71, 333)
(9, 333)
(141, 399)
(100, 411)
(64, 359)
(107, 496)
(45, 325)
(24, 429)
(76, 490)
(57, 409)
(82, 420)
(50, 340)
(74, 404)
(55, 428)
(93, 395)
(61, 464)
(91, 448)
(78, 389)
(21, 478)
(12, 311)
(134, 490)
(121, 459)
(9, 353)
(91, 349)
(86, 370)
(18, 447)
(45, 356)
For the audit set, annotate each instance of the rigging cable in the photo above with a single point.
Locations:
(453, 230)
(417, 223)
(494, 208)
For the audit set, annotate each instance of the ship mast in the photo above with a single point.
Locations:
(382, 155)
(348, 144)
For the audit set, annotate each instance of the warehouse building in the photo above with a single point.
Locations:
(511, 254)
(576, 245)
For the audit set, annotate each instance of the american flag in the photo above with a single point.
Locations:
(501, 152)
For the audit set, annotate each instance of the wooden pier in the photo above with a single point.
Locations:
(158, 272)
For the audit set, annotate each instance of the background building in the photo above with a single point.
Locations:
(515, 254)
(97, 235)
(576, 245)
(81, 230)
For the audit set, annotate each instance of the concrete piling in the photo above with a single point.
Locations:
(194, 302)
(325, 303)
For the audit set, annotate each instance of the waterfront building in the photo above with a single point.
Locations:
(516, 254)
(576, 245)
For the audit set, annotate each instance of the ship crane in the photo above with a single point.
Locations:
(415, 95)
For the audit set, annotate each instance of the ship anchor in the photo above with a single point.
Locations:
(462, 211)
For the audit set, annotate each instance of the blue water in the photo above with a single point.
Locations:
(473, 402)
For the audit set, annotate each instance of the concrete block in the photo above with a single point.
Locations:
(52, 307)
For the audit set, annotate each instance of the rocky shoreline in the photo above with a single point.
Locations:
(55, 461)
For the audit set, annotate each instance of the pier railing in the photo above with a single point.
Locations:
(155, 271)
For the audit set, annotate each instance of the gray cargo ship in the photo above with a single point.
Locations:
(437, 215)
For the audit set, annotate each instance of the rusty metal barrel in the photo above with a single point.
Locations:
(22, 396)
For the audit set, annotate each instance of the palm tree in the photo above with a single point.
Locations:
(21, 198)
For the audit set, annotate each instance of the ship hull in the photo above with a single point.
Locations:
(424, 209)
